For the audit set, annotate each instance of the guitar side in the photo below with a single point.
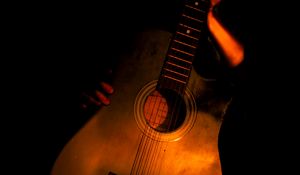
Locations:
(109, 141)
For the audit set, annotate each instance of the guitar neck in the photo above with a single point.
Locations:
(191, 28)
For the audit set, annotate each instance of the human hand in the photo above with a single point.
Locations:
(97, 96)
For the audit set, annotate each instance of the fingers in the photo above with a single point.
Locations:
(88, 100)
(102, 98)
(107, 87)
(98, 97)
(97, 94)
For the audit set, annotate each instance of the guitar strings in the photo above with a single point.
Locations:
(183, 19)
(151, 141)
(151, 162)
(155, 155)
(154, 113)
(180, 89)
(143, 160)
(156, 139)
(143, 146)
(141, 150)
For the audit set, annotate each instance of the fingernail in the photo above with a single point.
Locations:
(103, 98)
(107, 87)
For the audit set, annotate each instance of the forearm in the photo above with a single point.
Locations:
(232, 49)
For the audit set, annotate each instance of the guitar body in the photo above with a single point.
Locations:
(117, 140)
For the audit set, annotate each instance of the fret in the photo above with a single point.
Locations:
(185, 68)
(198, 20)
(181, 55)
(182, 51)
(186, 39)
(174, 74)
(179, 61)
(194, 8)
(194, 47)
(189, 27)
(189, 32)
(174, 68)
(192, 23)
(174, 79)
(187, 36)
(202, 16)
(197, 11)
(169, 70)
(178, 50)
(189, 62)
(183, 48)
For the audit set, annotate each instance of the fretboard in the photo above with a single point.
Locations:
(177, 67)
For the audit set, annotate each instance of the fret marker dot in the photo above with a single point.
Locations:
(188, 31)
(196, 3)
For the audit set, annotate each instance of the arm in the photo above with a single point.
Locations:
(232, 49)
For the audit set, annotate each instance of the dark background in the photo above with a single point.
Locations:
(60, 48)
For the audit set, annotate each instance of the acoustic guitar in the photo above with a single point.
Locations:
(164, 118)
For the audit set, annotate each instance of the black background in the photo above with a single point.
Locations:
(57, 49)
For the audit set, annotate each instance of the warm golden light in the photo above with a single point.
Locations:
(155, 109)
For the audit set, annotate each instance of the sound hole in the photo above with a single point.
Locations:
(164, 110)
